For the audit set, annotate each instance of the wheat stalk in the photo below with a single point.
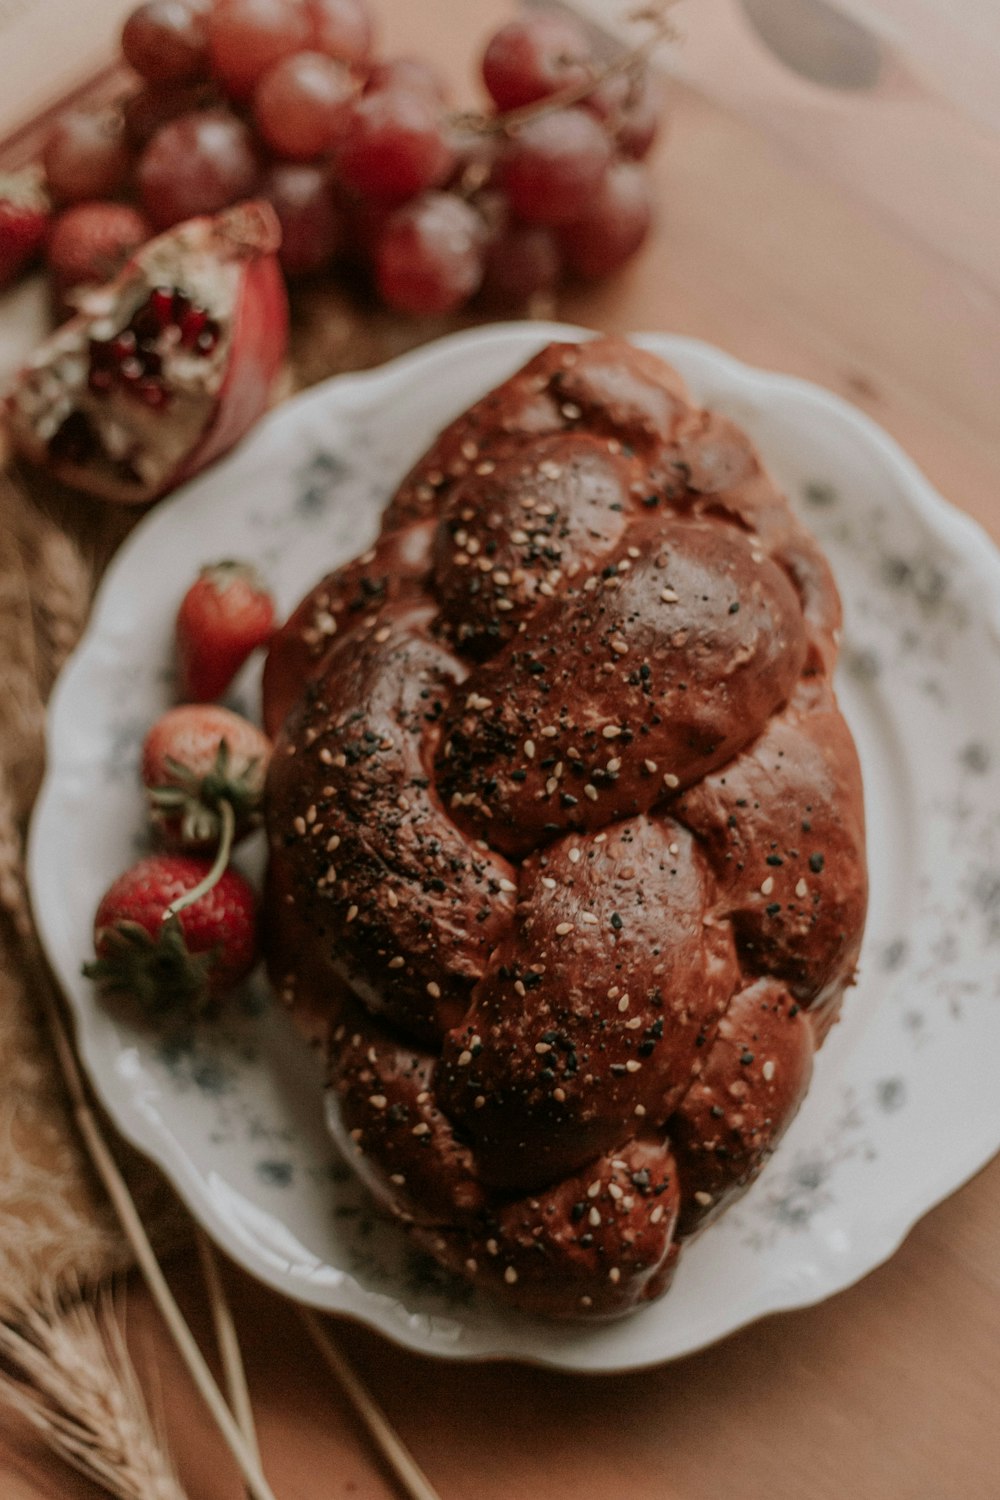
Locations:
(408, 1473)
(128, 1215)
(14, 897)
(85, 1399)
(76, 1386)
(228, 1342)
(63, 1429)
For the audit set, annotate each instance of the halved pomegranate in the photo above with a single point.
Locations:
(163, 369)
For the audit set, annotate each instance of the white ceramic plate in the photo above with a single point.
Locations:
(904, 1104)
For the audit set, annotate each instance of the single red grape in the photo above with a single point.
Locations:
(85, 156)
(410, 73)
(535, 56)
(148, 108)
(522, 260)
(301, 105)
(394, 146)
(311, 226)
(552, 167)
(341, 28)
(429, 257)
(613, 226)
(246, 37)
(167, 41)
(90, 242)
(196, 164)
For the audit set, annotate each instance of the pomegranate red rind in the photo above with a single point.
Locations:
(259, 338)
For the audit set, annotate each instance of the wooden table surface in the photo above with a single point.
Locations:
(889, 1391)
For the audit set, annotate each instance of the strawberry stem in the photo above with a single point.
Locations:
(228, 820)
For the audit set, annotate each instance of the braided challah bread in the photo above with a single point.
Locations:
(567, 843)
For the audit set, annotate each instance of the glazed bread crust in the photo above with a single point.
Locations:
(567, 838)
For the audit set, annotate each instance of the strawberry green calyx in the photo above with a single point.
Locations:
(156, 973)
(173, 933)
(194, 804)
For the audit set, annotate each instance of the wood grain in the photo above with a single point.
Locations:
(890, 1390)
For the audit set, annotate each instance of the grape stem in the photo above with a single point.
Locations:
(663, 30)
(219, 864)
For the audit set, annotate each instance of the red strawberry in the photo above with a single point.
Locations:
(166, 960)
(195, 758)
(225, 614)
(25, 212)
(90, 243)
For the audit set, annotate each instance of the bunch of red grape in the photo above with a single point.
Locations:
(360, 157)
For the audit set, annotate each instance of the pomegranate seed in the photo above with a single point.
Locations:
(131, 370)
(144, 323)
(100, 380)
(208, 338)
(121, 347)
(152, 393)
(162, 305)
(192, 323)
